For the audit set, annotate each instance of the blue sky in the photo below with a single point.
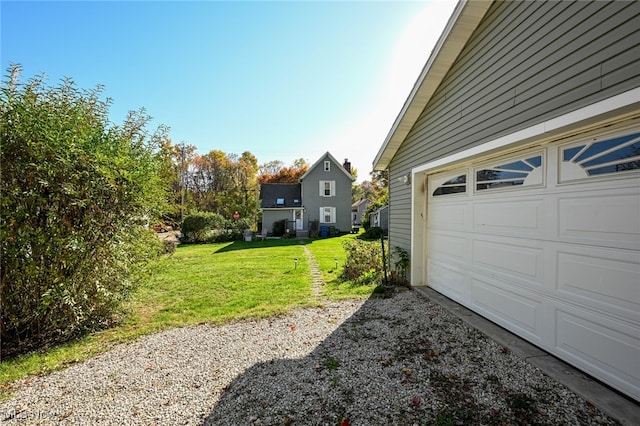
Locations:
(283, 80)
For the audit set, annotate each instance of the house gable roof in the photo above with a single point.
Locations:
(337, 164)
(270, 193)
(359, 202)
(462, 23)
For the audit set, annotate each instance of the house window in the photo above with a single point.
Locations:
(522, 172)
(280, 202)
(327, 214)
(327, 166)
(452, 186)
(327, 188)
(604, 157)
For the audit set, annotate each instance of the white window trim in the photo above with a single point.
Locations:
(333, 214)
(332, 188)
(540, 172)
(327, 166)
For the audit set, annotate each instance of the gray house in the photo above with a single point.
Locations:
(281, 201)
(357, 211)
(380, 218)
(321, 201)
(514, 174)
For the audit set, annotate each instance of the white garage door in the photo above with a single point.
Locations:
(546, 242)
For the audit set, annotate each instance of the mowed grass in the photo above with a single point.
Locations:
(215, 283)
(327, 252)
(209, 283)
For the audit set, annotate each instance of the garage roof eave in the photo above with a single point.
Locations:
(463, 21)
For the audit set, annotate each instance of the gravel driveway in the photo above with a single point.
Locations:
(397, 361)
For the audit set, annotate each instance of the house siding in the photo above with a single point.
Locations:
(341, 201)
(527, 62)
(270, 217)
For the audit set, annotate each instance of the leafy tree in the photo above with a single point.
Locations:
(225, 183)
(174, 165)
(270, 168)
(377, 190)
(283, 174)
(76, 192)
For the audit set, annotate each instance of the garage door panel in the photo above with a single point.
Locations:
(598, 219)
(555, 259)
(523, 217)
(605, 347)
(447, 246)
(517, 259)
(611, 278)
(447, 279)
(513, 310)
(448, 216)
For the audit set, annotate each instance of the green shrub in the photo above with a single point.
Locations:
(401, 261)
(203, 227)
(373, 233)
(364, 260)
(195, 227)
(279, 227)
(76, 193)
(198, 227)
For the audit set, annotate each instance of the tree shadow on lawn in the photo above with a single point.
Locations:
(394, 361)
(247, 245)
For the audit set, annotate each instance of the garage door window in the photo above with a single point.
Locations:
(610, 156)
(522, 172)
(455, 185)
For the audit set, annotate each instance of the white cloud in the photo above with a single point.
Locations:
(360, 139)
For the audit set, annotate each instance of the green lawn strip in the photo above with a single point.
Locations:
(326, 251)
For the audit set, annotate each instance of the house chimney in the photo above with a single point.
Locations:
(347, 165)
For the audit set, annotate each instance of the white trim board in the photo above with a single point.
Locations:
(599, 110)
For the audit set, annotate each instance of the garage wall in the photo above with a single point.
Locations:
(527, 62)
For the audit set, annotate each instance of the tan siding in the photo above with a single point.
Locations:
(527, 62)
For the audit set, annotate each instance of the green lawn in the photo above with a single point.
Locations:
(208, 283)
(326, 252)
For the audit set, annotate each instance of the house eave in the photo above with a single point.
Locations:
(283, 208)
(332, 158)
(461, 25)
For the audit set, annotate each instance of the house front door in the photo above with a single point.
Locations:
(299, 226)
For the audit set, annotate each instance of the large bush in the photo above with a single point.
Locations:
(364, 260)
(204, 227)
(76, 192)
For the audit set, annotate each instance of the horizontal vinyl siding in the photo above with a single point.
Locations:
(527, 62)
(399, 212)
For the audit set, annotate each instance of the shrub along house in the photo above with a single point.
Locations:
(514, 172)
(319, 203)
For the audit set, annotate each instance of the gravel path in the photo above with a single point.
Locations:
(397, 361)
